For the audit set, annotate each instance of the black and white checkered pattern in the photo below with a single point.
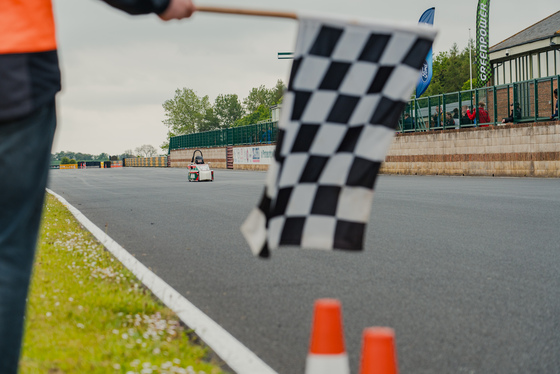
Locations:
(348, 86)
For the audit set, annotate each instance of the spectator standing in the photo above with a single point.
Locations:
(437, 118)
(465, 120)
(456, 113)
(266, 136)
(449, 121)
(483, 117)
(456, 117)
(408, 123)
(29, 81)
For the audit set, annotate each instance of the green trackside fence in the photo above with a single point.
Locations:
(531, 101)
(260, 133)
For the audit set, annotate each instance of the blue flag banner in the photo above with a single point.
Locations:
(426, 72)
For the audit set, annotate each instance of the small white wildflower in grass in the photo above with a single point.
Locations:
(124, 336)
(138, 341)
(70, 299)
(57, 303)
(131, 372)
(116, 366)
(80, 307)
(120, 314)
(116, 332)
(144, 345)
(176, 361)
(80, 325)
(156, 351)
(166, 365)
(129, 346)
(42, 296)
(146, 371)
(48, 314)
(135, 363)
(146, 365)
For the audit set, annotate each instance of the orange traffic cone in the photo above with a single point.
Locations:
(327, 354)
(379, 355)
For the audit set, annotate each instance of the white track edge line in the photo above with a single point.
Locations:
(231, 351)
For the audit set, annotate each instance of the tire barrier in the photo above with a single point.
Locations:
(157, 162)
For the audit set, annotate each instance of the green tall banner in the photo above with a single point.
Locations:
(482, 42)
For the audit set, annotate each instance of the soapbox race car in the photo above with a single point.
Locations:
(198, 170)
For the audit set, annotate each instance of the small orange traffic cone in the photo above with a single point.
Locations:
(379, 355)
(327, 353)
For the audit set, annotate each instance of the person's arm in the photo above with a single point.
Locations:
(165, 9)
(471, 115)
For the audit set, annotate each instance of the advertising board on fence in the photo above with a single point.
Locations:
(254, 155)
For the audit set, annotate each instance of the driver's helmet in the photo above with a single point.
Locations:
(198, 160)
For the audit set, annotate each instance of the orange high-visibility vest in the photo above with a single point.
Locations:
(26, 26)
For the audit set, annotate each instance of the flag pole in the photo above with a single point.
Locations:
(246, 12)
(470, 58)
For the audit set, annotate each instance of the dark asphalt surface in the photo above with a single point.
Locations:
(466, 270)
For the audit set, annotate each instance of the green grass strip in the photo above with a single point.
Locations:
(89, 314)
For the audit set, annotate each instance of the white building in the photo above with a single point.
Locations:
(530, 54)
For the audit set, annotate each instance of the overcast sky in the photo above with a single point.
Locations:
(118, 69)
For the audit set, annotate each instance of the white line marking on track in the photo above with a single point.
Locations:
(233, 352)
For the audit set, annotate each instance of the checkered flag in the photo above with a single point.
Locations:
(349, 83)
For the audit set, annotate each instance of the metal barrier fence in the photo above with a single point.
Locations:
(531, 100)
(260, 133)
(526, 101)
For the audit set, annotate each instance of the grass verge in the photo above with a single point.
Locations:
(89, 314)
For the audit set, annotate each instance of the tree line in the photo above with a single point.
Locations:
(65, 157)
(450, 72)
(188, 113)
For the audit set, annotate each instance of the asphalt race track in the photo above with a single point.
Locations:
(466, 270)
